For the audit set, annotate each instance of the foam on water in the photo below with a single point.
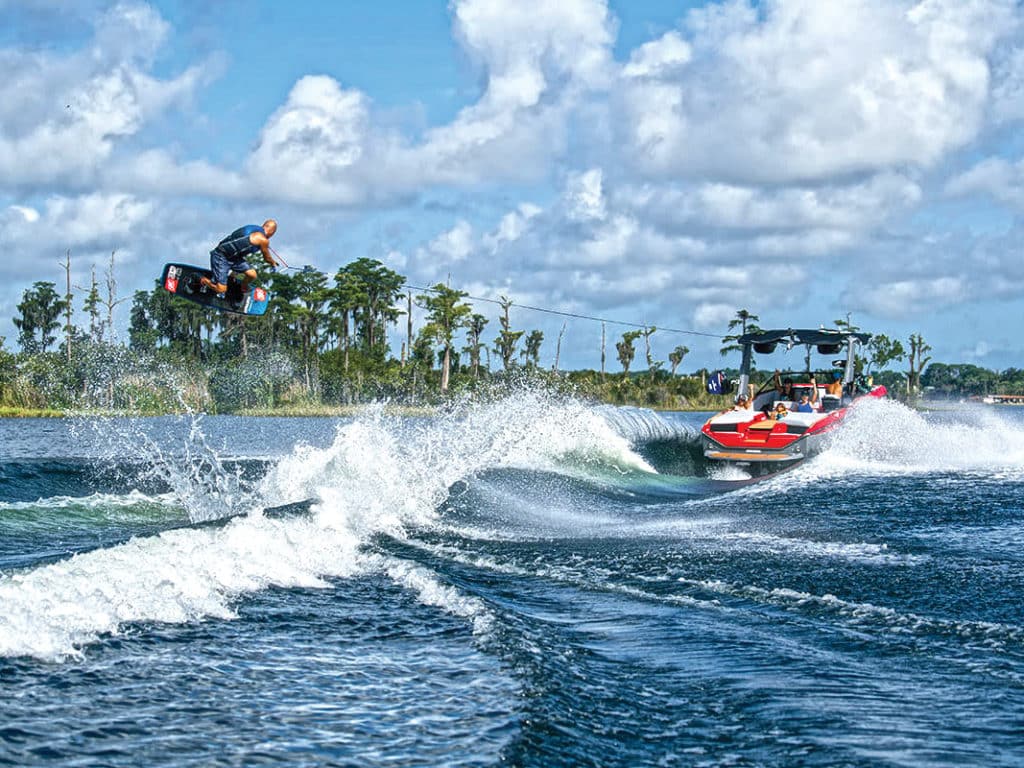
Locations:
(884, 436)
(864, 552)
(177, 576)
(586, 575)
(431, 591)
(888, 619)
(1003, 540)
(711, 534)
(380, 475)
(728, 473)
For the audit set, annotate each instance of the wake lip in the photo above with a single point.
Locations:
(282, 512)
(641, 426)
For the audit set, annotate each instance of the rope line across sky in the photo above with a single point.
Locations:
(577, 315)
(559, 312)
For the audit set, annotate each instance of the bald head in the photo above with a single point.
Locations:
(270, 227)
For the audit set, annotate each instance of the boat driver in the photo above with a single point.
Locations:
(835, 387)
(784, 389)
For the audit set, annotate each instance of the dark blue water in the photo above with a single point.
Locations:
(530, 582)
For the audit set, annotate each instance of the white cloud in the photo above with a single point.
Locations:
(310, 148)
(395, 260)
(713, 316)
(980, 350)
(587, 250)
(30, 215)
(853, 207)
(95, 219)
(130, 31)
(513, 226)
(538, 59)
(61, 117)
(157, 172)
(995, 176)
(90, 227)
(584, 196)
(451, 246)
(659, 57)
(530, 49)
(815, 88)
(1008, 85)
(929, 277)
(904, 298)
(324, 145)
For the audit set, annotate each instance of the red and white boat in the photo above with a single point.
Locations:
(764, 437)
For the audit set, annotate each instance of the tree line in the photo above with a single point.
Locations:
(325, 339)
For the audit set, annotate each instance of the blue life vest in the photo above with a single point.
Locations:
(236, 246)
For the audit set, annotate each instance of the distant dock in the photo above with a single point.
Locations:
(1001, 399)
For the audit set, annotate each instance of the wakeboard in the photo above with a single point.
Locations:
(183, 281)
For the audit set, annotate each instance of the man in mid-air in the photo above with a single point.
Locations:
(231, 253)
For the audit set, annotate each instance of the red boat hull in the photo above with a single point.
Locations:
(766, 443)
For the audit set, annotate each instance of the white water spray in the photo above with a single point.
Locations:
(884, 436)
(380, 475)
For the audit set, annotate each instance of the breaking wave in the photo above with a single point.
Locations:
(380, 475)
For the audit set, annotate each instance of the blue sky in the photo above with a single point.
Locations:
(651, 161)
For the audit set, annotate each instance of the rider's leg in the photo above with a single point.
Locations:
(219, 267)
(247, 277)
(217, 287)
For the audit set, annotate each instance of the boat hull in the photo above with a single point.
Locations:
(760, 444)
(759, 459)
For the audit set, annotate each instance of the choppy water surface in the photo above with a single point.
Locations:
(530, 582)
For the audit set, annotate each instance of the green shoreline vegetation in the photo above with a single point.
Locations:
(323, 349)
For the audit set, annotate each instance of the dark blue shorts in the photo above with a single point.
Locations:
(220, 266)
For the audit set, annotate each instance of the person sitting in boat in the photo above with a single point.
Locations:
(808, 398)
(742, 403)
(779, 412)
(784, 389)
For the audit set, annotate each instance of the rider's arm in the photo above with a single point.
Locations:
(263, 243)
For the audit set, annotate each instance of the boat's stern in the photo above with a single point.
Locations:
(750, 439)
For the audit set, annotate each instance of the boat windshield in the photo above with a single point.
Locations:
(800, 382)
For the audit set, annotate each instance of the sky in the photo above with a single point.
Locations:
(647, 161)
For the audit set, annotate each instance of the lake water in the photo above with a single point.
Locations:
(531, 581)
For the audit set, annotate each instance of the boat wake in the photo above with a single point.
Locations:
(525, 466)
(883, 437)
(380, 475)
